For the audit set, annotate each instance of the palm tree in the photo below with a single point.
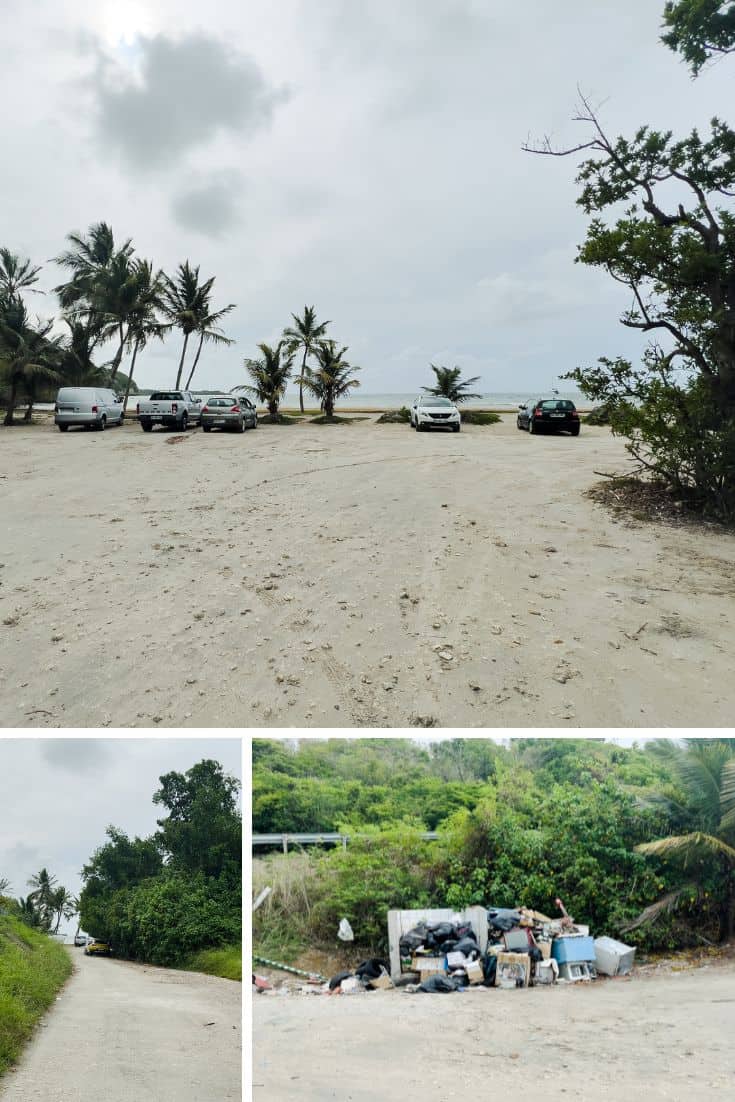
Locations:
(705, 815)
(60, 905)
(28, 353)
(4, 884)
(42, 896)
(305, 333)
(101, 286)
(186, 303)
(144, 322)
(28, 911)
(208, 331)
(270, 375)
(15, 275)
(449, 385)
(332, 379)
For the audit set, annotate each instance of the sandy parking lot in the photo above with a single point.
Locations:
(360, 575)
(643, 1039)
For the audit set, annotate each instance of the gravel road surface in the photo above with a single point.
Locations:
(643, 1039)
(123, 1032)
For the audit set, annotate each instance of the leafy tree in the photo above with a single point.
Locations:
(674, 249)
(333, 378)
(705, 811)
(202, 832)
(305, 335)
(270, 375)
(450, 385)
(699, 29)
(4, 884)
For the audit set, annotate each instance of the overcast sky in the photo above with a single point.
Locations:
(363, 157)
(57, 797)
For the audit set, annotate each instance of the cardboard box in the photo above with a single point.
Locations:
(428, 964)
(511, 968)
(545, 947)
(474, 971)
(456, 960)
(383, 981)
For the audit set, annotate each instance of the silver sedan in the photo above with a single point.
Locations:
(222, 411)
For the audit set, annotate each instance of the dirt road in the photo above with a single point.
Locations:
(641, 1039)
(346, 576)
(124, 1032)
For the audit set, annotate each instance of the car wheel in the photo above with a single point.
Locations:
(146, 426)
(518, 423)
(103, 423)
(184, 422)
(122, 418)
(241, 425)
(63, 428)
(531, 429)
(575, 431)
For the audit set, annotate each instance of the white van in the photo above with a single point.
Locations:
(91, 406)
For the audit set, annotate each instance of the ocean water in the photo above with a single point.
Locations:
(509, 400)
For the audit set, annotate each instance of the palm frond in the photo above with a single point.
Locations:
(686, 845)
(664, 905)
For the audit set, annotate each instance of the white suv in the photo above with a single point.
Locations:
(429, 411)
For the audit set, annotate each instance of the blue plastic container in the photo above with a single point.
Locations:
(570, 949)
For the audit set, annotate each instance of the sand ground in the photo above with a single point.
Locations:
(349, 576)
(643, 1039)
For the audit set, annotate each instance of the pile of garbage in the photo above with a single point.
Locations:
(524, 948)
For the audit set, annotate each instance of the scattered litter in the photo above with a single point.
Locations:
(344, 933)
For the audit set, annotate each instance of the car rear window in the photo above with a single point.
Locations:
(165, 396)
(221, 402)
(555, 403)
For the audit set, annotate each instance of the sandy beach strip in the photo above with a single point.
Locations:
(359, 575)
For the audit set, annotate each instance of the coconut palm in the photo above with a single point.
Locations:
(60, 905)
(704, 817)
(101, 288)
(15, 275)
(187, 306)
(28, 354)
(332, 378)
(44, 885)
(305, 334)
(4, 884)
(270, 375)
(144, 321)
(450, 385)
(209, 333)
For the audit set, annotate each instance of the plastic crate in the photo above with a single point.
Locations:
(570, 949)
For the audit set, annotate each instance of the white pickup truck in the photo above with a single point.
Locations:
(175, 409)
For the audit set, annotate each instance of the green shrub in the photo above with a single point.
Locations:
(395, 417)
(225, 962)
(478, 417)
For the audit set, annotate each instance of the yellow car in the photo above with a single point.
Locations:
(96, 948)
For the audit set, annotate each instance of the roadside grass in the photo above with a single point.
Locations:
(226, 961)
(32, 969)
(336, 420)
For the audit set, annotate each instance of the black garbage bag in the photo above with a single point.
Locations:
(440, 984)
(465, 930)
(489, 968)
(503, 919)
(370, 969)
(439, 932)
(468, 946)
(337, 980)
(413, 939)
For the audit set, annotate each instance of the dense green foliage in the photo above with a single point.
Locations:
(518, 825)
(225, 962)
(163, 898)
(699, 29)
(32, 969)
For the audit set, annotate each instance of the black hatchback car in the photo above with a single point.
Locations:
(549, 415)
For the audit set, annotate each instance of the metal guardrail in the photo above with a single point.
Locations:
(283, 840)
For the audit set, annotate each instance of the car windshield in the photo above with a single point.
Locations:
(432, 401)
(556, 403)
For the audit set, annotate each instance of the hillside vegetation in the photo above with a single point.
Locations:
(518, 825)
(32, 969)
